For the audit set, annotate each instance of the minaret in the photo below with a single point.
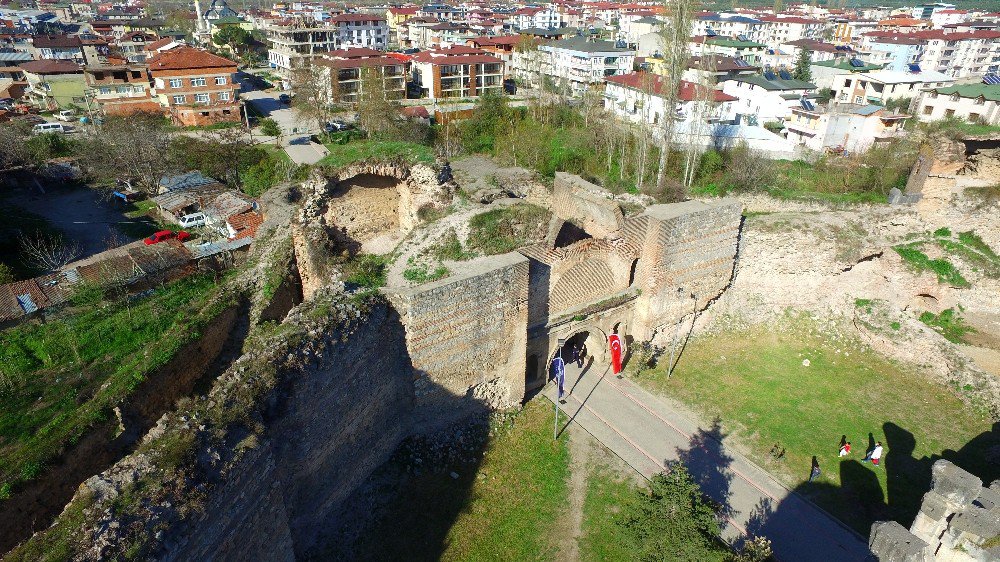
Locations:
(197, 10)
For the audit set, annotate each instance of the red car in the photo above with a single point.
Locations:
(166, 235)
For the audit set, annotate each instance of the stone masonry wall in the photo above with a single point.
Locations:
(466, 334)
(689, 246)
(589, 206)
(959, 521)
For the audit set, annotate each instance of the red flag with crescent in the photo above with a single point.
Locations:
(615, 343)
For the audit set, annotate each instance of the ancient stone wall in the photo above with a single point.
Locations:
(587, 205)
(959, 520)
(466, 334)
(687, 249)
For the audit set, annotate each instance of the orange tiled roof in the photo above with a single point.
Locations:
(185, 57)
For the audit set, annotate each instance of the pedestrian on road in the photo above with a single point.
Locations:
(877, 453)
(577, 355)
(815, 472)
(845, 449)
(583, 353)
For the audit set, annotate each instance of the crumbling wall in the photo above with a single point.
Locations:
(688, 255)
(466, 334)
(589, 206)
(959, 520)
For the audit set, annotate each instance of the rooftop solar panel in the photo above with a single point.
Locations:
(856, 63)
(784, 75)
(769, 75)
(991, 79)
(914, 68)
(742, 63)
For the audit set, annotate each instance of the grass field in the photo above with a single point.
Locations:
(602, 539)
(59, 378)
(505, 509)
(357, 151)
(755, 381)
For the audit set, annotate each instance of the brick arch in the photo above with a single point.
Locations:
(588, 281)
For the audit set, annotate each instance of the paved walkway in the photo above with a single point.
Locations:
(646, 431)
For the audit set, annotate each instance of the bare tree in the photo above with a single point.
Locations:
(676, 34)
(14, 151)
(313, 91)
(48, 252)
(130, 147)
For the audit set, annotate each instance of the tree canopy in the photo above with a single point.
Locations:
(801, 70)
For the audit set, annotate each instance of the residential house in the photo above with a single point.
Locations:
(501, 46)
(709, 69)
(579, 62)
(12, 82)
(880, 86)
(119, 89)
(132, 46)
(457, 72)
(634, 28)
(194, 86)
(446, 34)
(640, 97)
(768, 96)
(58, 47)
(824, 72)
(977, 103)
(848, 127)
(345, 70)
(54, 84)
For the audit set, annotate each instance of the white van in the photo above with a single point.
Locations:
(194, 219)
(48, 128)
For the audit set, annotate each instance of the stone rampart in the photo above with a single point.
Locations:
(589, 206)
(466, 334)
(959, 520)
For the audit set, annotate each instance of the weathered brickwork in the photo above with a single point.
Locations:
(958, 521)
(586, 205)
(466, 334)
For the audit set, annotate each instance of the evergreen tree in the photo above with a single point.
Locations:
(801, 71)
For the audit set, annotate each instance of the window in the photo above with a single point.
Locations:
(859, 99)
(220, 80)
(955, 97)
(197, 81)
(223, 96)
(201, 98)
(974, 117)
(104, 91)
(180, 99)
(928, 110)
(175, 82)
(980, 100)
(122, 89)
(949, 113)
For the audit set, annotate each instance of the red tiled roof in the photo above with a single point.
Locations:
(245, 224)
(185, 57)
(49, 41)
(657, 85)
(498, 40)
(50, 67)
(457, 54)
(358, 62)
(356, 17)
(792, 19)
(158, 43)
(409, 11)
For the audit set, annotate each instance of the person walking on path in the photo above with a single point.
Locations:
(815, 472)
(577, 355)
(845, 449)
(876, 453)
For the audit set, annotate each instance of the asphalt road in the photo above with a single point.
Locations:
(296, 130)
(648, 431)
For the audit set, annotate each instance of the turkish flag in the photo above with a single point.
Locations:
(615, 342)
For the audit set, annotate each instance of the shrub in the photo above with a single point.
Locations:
(420, 274)
(946, 272)
(949, 324)
(499, 231)
(747, 169)
(450, 248)
(366, 270)
(270, 127)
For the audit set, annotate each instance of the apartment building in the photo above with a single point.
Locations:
(300, 39)
(880, 86)
(728, 25)
(892, 52)
(961, 54)
(457, 72)
(750, 51)
(58, 47)
(132, 46)
(395, 19)
(119, 89)
(360, 30)
(346, 70)
(824, 72)
(446, 34)
(194, 86)
(578, 62)
(779, 29)
(977, 103)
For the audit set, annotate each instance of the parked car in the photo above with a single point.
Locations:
(285, 99)
(166, 235)
(66, 115)
(336, 126)
(194, 219)
(43, 128)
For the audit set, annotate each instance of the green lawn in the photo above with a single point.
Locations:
(357, 151)
(757, 383)
(59, 378)
(602, 539)
(506, 509)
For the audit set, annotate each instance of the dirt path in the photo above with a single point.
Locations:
(570, 525)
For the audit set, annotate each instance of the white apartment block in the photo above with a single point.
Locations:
(881, 86)
(728, 25)
(776, 30)
(961, 54)
(302, 39)
(579, 62)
